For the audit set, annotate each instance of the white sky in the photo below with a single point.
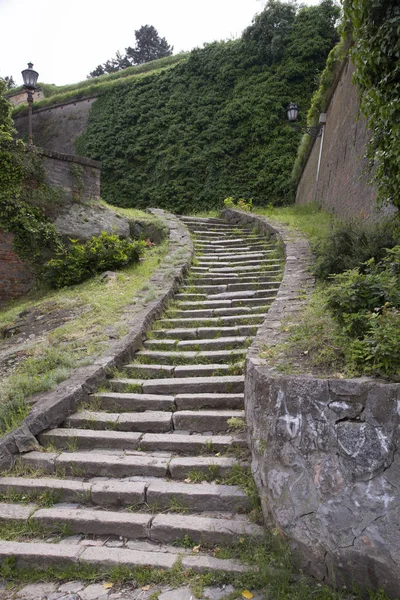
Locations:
(66, 39)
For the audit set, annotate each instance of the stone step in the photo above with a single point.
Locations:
(233, 258)
(142, 464)
(99, 464)
(231, 241)
(149, 421)
(186, 385)
(244, 277)
(179, 443)
(221, 343)
(168, 527)
(113, 401)
(86, 439)
(212, 289)
(111, 492)
(183, 357)
(205, 332)
(213, 220)
(187, 467)
(265, 297)
(33, 555)
(257, 319)
(205, 420)
(242, 292)
(193, 370)
(161, 528)
(241, 269)
(197, 497)
(217, 312)
(210, 400)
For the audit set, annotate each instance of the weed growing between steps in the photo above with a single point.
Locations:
(275, 576)
(51, 357)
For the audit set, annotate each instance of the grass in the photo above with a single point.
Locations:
(75, 343)
(309, 219)
(44, 499)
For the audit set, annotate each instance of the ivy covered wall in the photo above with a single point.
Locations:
(215, 125)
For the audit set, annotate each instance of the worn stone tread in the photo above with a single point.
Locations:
(133, 402)
(205, 420)
(154, 421)
(210, 400)
(181, 466)
(185, 443)
(66, 439)
(235, 383)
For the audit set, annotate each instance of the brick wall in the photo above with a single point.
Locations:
(57, 127)
(343, 187)
(21, 97)
(16, 277)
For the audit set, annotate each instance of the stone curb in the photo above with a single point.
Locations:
(296, 282)
(52, 408)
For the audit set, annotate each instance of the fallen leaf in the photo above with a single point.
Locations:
(196, 548)
(145, 588)
(247, 594)
(216, 550)
(188, 480)
(107, 586)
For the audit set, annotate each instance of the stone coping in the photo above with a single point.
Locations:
(81, 160)
(39, 109)
(52, 408)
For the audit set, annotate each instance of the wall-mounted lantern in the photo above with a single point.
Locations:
(30, 78)
(313, 131)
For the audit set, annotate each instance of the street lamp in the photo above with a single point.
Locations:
(30, 78)
(313, 131)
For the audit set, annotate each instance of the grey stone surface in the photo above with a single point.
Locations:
(324, 451)
(183, 593)
(213, 593)
(94, 591)
(36, 591)
(71, 587)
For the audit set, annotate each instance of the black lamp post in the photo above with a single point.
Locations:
(313, 131)
(30, 78)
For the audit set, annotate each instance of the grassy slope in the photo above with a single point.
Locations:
(55, 94)
(75, 343)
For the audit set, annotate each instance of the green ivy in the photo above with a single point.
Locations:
(375, 26)
(215, 125)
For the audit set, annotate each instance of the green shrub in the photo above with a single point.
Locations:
(80, 261)
(366, 304)
(348, 245)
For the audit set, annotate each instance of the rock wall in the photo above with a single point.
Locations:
(324, 451)
(57, 127)
(16, 278)
(343, 187)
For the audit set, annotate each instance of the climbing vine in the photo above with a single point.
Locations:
(375, 26)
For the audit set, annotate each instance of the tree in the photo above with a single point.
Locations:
(149, 46)
(9, 82)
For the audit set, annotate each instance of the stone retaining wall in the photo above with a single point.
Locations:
(324, 451)
(57, 127)
(16, 278)
(50, 409)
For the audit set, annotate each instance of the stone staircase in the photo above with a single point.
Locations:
(148, 468)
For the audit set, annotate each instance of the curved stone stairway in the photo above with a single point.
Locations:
(131, 476)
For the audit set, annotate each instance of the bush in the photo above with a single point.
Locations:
(350, 244)
(81, 261)
(366, 304)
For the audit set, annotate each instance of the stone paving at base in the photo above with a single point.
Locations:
(78, 590)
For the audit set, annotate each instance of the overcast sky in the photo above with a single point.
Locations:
(67, 39)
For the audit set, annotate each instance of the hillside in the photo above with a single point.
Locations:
(215, 125)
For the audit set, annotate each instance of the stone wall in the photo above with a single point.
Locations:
(77, 177)
(57, 127)
(21, 97)
(16, 277)
(324, 451)
(343, 187)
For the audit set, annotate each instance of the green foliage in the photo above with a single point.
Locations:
(347, 245)
(81, 261)
(366, 304)
(241, 204)
(215, 125)
(375, 25)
